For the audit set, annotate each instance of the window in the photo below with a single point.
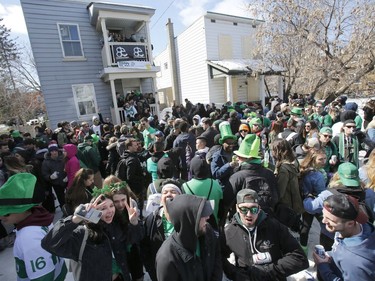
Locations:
(70, 40)
(85, 100)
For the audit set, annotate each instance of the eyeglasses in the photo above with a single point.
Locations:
(327, 136)
(350, 127)
(245, 210)
(244, 131)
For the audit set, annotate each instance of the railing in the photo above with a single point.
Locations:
(122, 118)
(135, 52)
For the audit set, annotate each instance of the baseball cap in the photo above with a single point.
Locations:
(247, 196)
(159, 134)
(205, 119)
(348, 174)
(345, 207)
(326, 130)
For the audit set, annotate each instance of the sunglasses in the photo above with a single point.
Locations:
(307, 126)
(245, 210)
(352, 127)
(243, 131)
(327, 136)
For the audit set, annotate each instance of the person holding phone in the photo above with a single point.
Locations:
(104, 245)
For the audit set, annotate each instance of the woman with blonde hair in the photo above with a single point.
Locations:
(313, 181)
(367, 172)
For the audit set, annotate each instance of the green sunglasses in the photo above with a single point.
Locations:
(245, 210)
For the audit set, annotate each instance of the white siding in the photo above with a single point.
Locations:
(193, 69)
(164, 75)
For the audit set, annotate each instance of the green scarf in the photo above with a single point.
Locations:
(354, 157)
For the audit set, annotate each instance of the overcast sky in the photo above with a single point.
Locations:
(182, 13)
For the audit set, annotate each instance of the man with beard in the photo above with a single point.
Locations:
(192, 250)
(222, 164)
(263, 248)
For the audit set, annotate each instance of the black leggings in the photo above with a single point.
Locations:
(307, 222)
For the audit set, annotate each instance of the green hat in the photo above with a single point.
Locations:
(15, 134)
(225, 132)
(296, 111)
(16, 195)
(348, 173)
(249, 147)
(95, 138)
(256, 121)
(326, 130)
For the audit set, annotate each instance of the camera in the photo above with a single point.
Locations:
(92, 215)
(262, 258)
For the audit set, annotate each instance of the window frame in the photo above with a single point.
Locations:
(59, 25)
(77, 100)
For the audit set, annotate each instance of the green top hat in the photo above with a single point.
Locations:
(15, 134)
(225, 132)
(16, 195)
(296, 111)
(249, 147)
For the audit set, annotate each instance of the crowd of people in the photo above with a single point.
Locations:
(181, 196)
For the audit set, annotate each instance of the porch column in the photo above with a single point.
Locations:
(280, 87)
(106, 44)
(262, 93)
(156, 96)
(229, 88)
(114, 100)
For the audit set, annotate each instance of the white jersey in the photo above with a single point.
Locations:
(32, 261)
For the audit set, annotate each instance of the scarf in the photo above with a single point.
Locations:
(353, 155)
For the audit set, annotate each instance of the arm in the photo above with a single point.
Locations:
(64, 239)
(315, 205)
(219, 169)
(282, 181)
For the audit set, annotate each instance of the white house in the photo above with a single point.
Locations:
(214, 62)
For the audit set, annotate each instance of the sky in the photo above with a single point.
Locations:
(181, 12)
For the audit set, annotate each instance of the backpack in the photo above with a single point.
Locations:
(359, 194)
(75, 266)
(262, 187)
(121, 170)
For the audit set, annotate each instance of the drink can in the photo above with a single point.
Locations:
(319, 250)
(334, 158)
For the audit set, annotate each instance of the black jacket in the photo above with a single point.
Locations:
(65, 240)
(177, 258)
(129, 169)
(270, 236)
(238, 180)
(154, 238)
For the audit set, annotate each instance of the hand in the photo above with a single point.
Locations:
(233, 164)
(133, 214)
(65, 179)
(319, 260)
(54, 176)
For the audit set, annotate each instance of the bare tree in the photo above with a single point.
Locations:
(325, 46)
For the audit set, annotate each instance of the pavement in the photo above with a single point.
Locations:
(8, 270)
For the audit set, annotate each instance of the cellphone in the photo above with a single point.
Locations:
(92, 215)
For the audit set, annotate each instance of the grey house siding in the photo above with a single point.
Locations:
(56, 75)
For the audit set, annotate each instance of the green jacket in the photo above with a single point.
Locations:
(89, 155)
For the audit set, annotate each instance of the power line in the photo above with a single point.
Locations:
(162, 14)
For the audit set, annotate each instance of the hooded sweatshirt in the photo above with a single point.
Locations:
(72, 164)
(186, 255)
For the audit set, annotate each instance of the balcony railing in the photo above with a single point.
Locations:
(134, 54)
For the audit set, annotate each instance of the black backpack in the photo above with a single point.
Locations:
(121, 170)
(262, 187)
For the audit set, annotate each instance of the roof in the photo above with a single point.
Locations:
(240, 66)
